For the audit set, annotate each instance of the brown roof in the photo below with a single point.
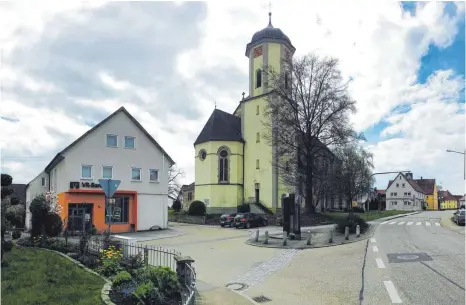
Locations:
(381, 192)
(448, 196)
(412, 182)
(427, 185)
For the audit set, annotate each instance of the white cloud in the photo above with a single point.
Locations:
(378, 45)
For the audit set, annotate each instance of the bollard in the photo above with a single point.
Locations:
(256, 239)
(266, 240)
(358, 231)
(330, 238)
(346, 233)
(284, 238)
(308, 241)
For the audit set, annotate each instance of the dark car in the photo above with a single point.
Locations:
(249, 220)
(227, 219)
(458, 217)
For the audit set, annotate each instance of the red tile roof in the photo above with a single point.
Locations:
(449, 196)
(427, 185)
(413, 183)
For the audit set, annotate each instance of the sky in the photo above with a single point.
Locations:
(68, 65)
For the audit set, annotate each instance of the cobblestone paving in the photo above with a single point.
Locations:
(258, 274)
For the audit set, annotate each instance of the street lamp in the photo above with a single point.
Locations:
(464, 160)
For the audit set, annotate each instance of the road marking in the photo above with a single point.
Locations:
(392, 222)
(437, 224)
(418, 223)
(392, 292)
(400, 223)
(372, 240)
(375, 249)
(380, 263)
(427, 223)
(410, 223)
(382, 223)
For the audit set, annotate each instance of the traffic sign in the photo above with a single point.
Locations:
(109, 186)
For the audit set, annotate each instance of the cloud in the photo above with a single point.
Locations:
(67, 66)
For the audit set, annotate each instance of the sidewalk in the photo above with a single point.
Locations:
(211, 295)
(446, 222)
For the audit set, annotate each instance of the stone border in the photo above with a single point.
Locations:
(105, 289)
(368, 234)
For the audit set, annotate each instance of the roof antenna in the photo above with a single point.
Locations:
(270, 15)
(215, 104)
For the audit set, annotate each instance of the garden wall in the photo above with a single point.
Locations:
(198, 220)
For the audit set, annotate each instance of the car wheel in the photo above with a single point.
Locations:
(248, 225)
(264, 223)
(222, 226)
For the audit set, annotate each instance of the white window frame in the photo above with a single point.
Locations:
(43, 179)
(124, 144)
(158, 177)
(92, 172)
(111, 166)
(106, 138)
(131, 174)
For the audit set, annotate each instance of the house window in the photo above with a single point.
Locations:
(190, 196)
(258, 78)
(403, 185)
(409, 193)
(153, 175)
(43, 181)
(397, 185)
(257, 110)
(119, 212)
(223, 166)
(112, 140)
(258, 137)
(136, 174)
(257, 164)
(395, 194)
(86, 171)
(394, 203)
(130, 142)
(107, 172)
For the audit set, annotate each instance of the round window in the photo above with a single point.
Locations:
(202, 155)
(223, 154)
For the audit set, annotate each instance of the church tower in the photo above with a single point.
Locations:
(267, 48)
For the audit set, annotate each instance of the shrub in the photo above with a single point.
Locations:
(111, 261)
(358, 210)
(53, 224)
(176, 206)
(121, 278)
(39, 210)
(134, 262)
(16, 234)
(165, 279)
(147, 293)
(7, 245)
(197, 208)
(92, 230)
(89, 261)
(351, 221)
(244, 208)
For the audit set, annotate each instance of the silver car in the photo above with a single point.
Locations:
(458, 217)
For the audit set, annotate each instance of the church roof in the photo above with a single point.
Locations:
(221, 126)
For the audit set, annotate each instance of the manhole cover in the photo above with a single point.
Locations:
(236, 286)
(261, 299)
(408, 257)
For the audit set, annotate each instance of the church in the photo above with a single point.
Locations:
(233, 162)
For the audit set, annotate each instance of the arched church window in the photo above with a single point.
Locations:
(223, 165)
(258, 78)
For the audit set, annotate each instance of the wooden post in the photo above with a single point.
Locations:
(256, 238)
(358, 231)
(308, 241)
(266, 240)
(330, 238)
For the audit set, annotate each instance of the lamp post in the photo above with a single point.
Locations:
(110, 204)
(464, 160)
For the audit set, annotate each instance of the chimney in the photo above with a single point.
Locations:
(409, 176)
(421, 177)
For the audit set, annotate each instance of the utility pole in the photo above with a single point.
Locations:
(464, 160)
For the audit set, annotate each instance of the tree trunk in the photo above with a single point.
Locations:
(309, 207)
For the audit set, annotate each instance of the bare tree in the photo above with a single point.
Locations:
(174, 185)
(307, 113)
(355, 176)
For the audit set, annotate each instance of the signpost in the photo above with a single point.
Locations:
(109, 187)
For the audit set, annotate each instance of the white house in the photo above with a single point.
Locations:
(117, 148)
(404, 194)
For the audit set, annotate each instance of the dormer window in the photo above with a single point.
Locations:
(112, 140)
(258, 78)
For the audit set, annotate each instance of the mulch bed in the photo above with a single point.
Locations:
(119, 299)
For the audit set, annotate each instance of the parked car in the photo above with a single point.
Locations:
(458, 217)
(249, 220)
(227, 220)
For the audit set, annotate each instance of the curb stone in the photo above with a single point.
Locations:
(105, 289)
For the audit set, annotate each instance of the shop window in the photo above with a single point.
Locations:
(119, 213)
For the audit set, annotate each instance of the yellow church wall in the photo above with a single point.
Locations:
(449, 205)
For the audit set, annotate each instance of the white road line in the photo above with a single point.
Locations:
(409, 223)
(427, 223)
(384, 222)
(372, 240)
(400, 223)
(437, 224)
(418, 223)
(375, 249)
(392, 222)
(380, 263)
(392, 292)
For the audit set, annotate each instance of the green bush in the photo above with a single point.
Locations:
(121, 278)
(351, 221)
(176, 206)
(16, 234)
(53, 224)
(147, 293)
(244, 208)
(111, 261)
(197, 208)
(39, 210)
(134, 262)
(164, 279)
(7, 245)
(358, 210)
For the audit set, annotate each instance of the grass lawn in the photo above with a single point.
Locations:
(36, 277)
(367, 216)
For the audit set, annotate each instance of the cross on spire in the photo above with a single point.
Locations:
(270, 13)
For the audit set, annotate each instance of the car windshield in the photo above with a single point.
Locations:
(462, 212)
(225, 215)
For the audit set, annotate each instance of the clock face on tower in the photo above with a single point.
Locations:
(257, 51)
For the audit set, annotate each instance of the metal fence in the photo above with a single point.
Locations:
(152, 255)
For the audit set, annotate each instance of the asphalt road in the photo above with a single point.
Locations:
(413, 260)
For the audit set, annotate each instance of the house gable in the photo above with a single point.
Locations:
(396, 186)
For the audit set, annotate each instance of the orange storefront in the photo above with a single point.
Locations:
(84, 208)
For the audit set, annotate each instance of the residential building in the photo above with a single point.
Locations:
(462, 201)
(403, 193)
(117, 148)
(448, 201)
(430, 189)
(186, 195)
